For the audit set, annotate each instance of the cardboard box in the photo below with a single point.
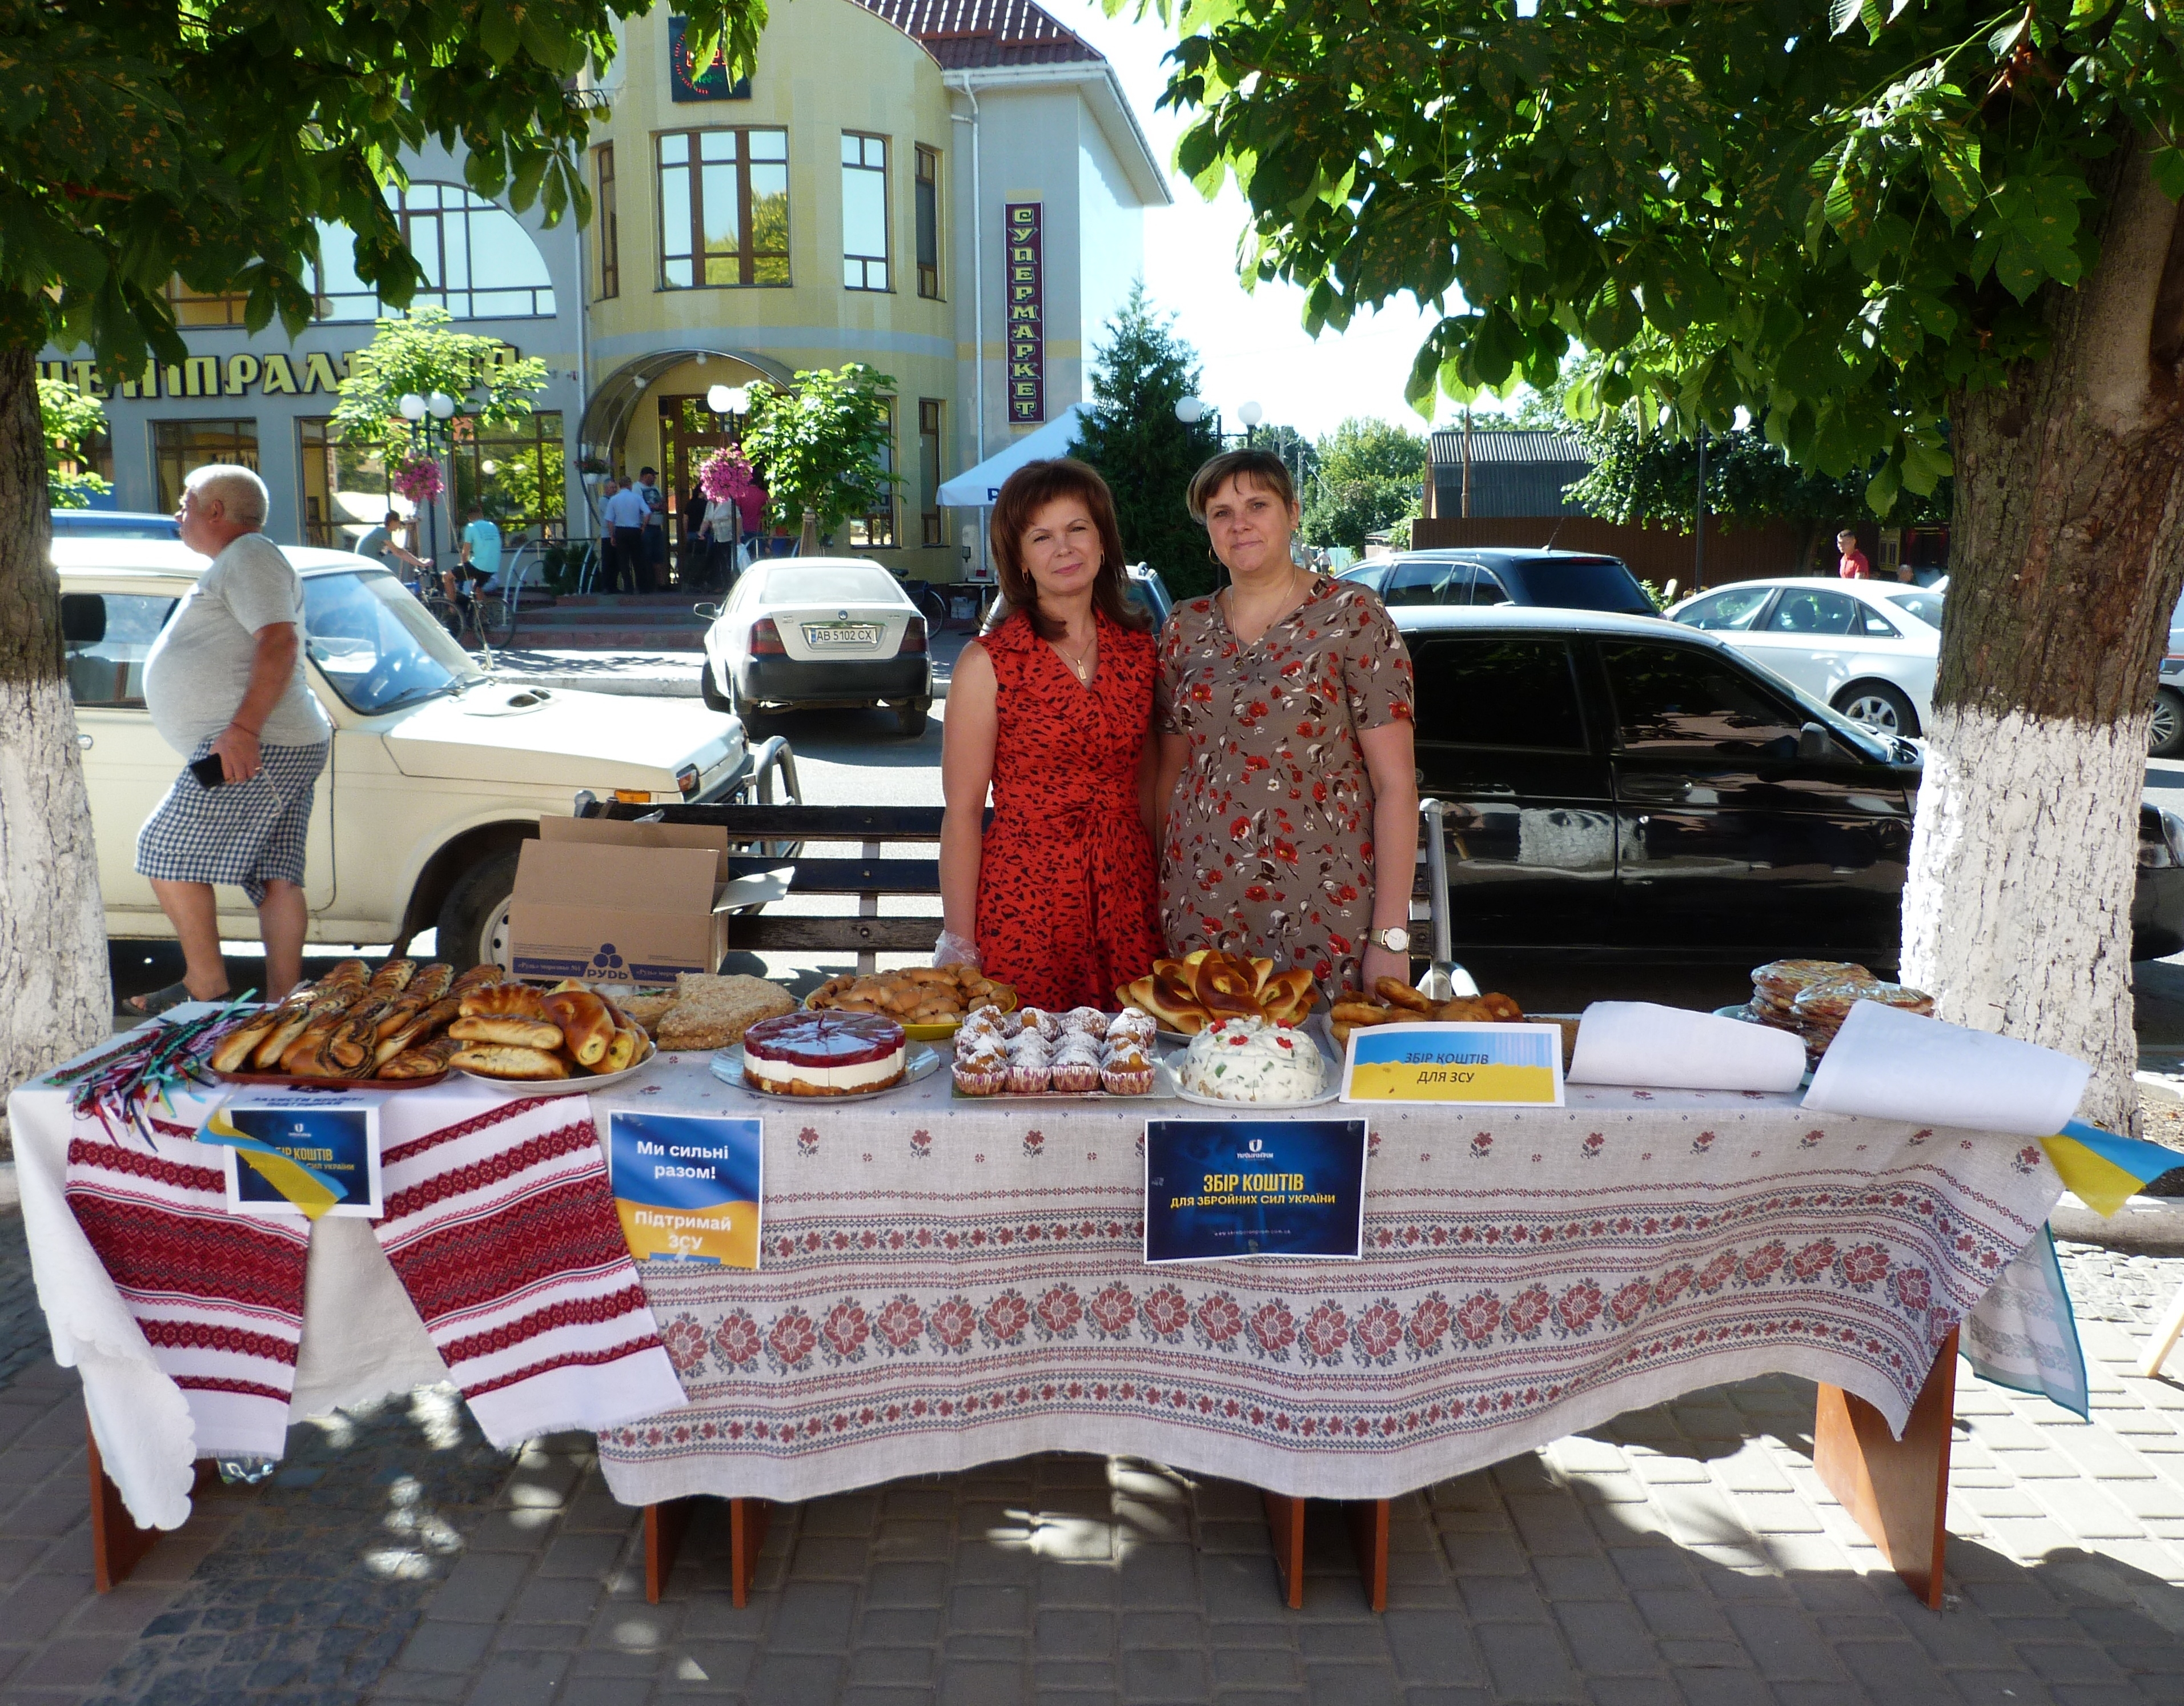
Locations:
(635, 903)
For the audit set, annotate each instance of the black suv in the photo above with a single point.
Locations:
(1557, 580)
(1624, 787)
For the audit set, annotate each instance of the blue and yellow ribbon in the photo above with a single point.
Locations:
(306, 1187)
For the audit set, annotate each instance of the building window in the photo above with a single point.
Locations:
(876, 531)
(479, 262)
(929, 223)
(723, 208)
(608, 223)
(179, 446)
(204, 307)
(864, 212)
(345, 487)
(928, 468)
(516, 471)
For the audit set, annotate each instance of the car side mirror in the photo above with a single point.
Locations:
(706, 613)
(83, 618)
(1815, 745)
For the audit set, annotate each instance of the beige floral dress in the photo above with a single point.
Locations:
(1268, 849)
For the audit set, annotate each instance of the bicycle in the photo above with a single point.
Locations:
(932, 603)
(490, 616)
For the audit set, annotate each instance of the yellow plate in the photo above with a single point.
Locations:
(1003, 997)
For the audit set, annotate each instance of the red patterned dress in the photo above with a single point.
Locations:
(1269, 843)
(1066, 869)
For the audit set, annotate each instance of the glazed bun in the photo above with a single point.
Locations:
(588, 1027)
(504, 1001)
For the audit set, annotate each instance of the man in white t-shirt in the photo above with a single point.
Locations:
(225, 688)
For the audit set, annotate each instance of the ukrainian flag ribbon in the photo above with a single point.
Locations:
(306, 1187)
(2103, 1170)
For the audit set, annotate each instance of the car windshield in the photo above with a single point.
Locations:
(1733, 609)
(1922, 604)
(787, 584)
(377, 647)
(1578, 583)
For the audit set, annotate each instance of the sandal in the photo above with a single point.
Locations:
(157, 1002)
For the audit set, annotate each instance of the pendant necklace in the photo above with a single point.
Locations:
(1080, 667)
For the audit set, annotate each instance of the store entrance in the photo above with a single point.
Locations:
(689, 433)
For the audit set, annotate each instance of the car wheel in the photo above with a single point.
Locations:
(911, 717)
(1878, 705)
(709, 690)
(756, 723)
(2166, 738)
(474, 917)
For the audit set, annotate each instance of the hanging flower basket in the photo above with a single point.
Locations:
(418, 479)
(726, 477)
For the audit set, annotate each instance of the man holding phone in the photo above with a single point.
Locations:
(224, 685)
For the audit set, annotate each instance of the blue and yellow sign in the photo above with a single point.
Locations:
(1219, 1189)
(1484, 1065)
(292, 1153)
(688, 1186)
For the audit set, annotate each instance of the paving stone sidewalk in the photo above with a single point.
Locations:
(1686, 1553)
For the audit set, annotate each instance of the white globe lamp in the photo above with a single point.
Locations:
(1190, 411)
(412, 406)
(442, 405)
(717, 398)
(1250, 413)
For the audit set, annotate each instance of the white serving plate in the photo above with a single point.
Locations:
(1330, 1062)
(727, 1066)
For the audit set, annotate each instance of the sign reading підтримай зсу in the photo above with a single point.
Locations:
(688, 1186)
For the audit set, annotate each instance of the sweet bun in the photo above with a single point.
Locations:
(516, 1033)
(587, 1026)
(502, 1061)
(504, 1001)
(392, 977)
(426, 1059)
(1286, 991)
(622, 1049)
(1398, 994)
(1225, 979)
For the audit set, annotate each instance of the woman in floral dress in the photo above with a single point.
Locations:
(1052, 709)
(1286, 776)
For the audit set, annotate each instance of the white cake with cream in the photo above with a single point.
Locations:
(824, 1053)
(1251, 1060)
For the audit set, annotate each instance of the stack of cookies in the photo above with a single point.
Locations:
(1811, 998)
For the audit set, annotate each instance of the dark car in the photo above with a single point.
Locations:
(1621, 787)
(113, 524)
(1556, 580)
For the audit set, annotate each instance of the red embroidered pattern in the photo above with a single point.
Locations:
(570, 1227)
(152, 1250)
(114, 1158)
(206, 1336)
(580, 1312)
(648, 1341)
(248, 1388)
(484, 1122)
(570, 1139)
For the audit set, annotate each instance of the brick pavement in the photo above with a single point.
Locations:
(1684, 1554)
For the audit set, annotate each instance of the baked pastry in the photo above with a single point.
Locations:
(824, 1053)
(1187, 994)
(1133, 1024)
(625, 1048)
(426, 1059)
(504, 1001)
(646, 1010)
(587, 1026)
(1075, 1067)
(712, 1013)
(982, 1066)
(502, 1060)
(1250, 1059)
(392, 977)
(1089, 1020)
(513, 1031)
(414, 1031)
(1128, 1070)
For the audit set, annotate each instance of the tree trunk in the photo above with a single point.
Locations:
(2068, 551)
(52, 928)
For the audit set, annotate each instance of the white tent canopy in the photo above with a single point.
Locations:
(976, 488)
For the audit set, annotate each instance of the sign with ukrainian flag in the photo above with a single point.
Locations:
(302, 1153)
(688, 1185)
(1480, 1065)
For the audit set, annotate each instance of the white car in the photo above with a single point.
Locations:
(438, 774)
(1867, 648)
(801, 633)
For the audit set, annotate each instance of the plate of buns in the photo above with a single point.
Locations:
(929, 1002)
(387, 1029)
(1205, 985)
(1394, 1002)
(560, 1041)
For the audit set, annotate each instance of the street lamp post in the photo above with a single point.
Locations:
(429, 417)
(733, 402)
(1190, 411)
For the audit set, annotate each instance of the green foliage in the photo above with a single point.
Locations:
(1368, 480)
(69, 420)
(421, 352)
(1839, 223)
(823, 444)
(1147, 456)
(138, 141)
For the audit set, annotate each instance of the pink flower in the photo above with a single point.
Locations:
(794, 1338)
(1379, 1329)
(1007, 1316)
(1814, 1259)
(1427, 1322)
(1165, 1311)
(1061, 1309)
(1760, 1265)
(900, 1322)
(1114, 1309)
(1326, 1330)
(1912, 1286)
(1578, 1306)
(845, 1328)
(1478, 1316)
(737, 1339)
(685, 1340)
(1219, 1319)
(1630, 1301)
(1527, 1311)
(952, 1324)
(1273, 1327)
(1864, 1263)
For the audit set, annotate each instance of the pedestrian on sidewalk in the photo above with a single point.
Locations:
(652, 577)
(624, 513)
(225, 686)
(1850, 564)
(697, 547)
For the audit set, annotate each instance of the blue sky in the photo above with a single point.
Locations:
(1253, 345)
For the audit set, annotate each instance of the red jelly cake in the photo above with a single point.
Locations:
(824, 1053)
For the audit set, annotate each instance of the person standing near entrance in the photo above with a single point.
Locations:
(654, 575)
(225, 682)
(1850, 563)
(624, 514)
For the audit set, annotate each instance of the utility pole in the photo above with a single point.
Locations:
(1467, 462)
(1698, 543)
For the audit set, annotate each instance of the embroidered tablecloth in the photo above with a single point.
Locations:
(946, 1283)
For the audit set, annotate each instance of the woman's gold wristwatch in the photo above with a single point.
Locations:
(1395, 939)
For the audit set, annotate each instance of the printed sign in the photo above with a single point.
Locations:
(688, 80)
(1485, 1065)
(1219, 1189)
(687, 1186)
(1026, 297)
(293, 1152)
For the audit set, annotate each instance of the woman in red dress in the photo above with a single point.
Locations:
(1052, 709)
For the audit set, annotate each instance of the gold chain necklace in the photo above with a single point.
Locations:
(1080, 666)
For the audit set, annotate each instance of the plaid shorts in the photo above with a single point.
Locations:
(246, 834)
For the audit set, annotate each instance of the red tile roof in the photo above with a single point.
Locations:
(976, 35)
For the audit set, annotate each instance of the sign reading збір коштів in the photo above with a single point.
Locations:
(1026, 298)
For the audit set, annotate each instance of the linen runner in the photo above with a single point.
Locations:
(946, 1282)
(501, 1227)
(218, 1298)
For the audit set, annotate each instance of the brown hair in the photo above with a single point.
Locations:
(1025, 493)
(1260, 468)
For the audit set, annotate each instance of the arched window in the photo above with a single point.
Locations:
(479, 262)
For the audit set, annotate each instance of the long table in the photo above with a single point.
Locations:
(948, 1282)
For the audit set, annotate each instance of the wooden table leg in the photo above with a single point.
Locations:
(1285, 1522)
(117, 1545)
(1898, 1490)
(665, 1523)
(1368, 1536)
